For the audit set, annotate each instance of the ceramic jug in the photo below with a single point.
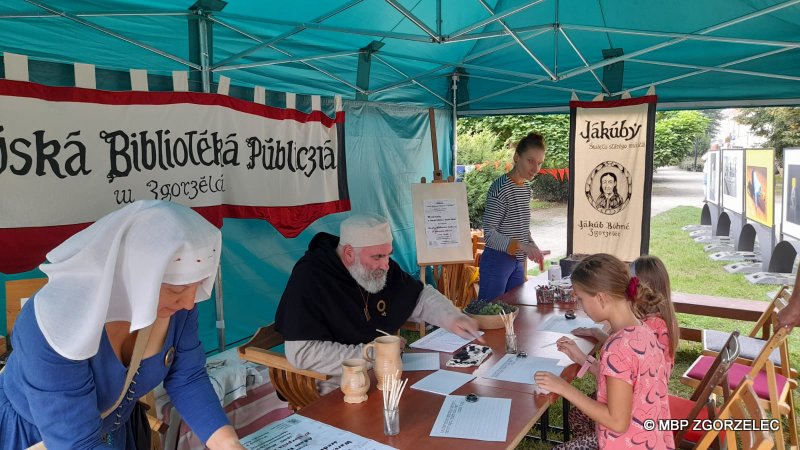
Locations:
(355, 380)
(386, 358)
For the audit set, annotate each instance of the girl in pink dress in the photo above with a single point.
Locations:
(632, 372)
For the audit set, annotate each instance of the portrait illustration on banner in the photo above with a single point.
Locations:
(608, 187)
(791, 192)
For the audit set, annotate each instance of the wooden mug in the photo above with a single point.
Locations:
(355, 381)
(386, 358)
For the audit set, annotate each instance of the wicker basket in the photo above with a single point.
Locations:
(493, 321)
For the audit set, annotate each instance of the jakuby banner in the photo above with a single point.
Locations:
(611, 167)
(68, 156)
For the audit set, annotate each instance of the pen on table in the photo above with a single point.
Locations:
(555, 342)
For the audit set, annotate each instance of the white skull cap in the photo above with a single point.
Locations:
(364, 230)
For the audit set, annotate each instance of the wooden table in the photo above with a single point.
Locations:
(419, 409)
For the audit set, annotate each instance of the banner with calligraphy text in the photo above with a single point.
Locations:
(68, 156)
(611, 168)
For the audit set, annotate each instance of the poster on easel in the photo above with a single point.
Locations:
(732, 176)
(713, 173)
(441, 223)
(791, 192)
(759, 185)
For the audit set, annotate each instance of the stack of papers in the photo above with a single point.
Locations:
(484, 420)
(420, 361)
(443, 382)
(442, 340)
(298, 432)
(521, 370)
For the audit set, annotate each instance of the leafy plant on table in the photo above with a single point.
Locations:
(487, 308)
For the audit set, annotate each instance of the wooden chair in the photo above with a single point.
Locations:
(297, 386)
(743, 405)
(16, 290)
(773, 389)
(701, 405)
(752, 344)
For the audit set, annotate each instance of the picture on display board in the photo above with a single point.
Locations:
(712, 178)
(759, 186)
(732, 165)
(791, 192)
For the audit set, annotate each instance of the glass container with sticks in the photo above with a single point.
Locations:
(511, 337)
(392, 390)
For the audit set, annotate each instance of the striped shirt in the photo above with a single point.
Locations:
(507, 217)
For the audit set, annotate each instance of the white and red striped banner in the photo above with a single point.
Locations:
(68, 156)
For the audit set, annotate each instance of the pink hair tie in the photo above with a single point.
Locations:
(633, 288)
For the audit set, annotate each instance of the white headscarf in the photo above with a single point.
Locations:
(113, 270)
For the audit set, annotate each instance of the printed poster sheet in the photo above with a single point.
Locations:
(759, 192)
(297, 432)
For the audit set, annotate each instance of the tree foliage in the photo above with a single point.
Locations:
(676, 132)
(781, 126)
(510, 129)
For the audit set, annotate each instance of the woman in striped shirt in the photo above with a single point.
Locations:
(507, 220)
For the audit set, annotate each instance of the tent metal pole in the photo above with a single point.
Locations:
(496, 34)
(534, 84)
(329, 28)
(205, 73)
(264, 44)
(409, 80)
(501, 80)
(94, 14)
(285, 61)
(455, 78)
(493, 18)
(416, 82)
(324, 72)
(669, 43)
(519, 42)
(717, 69)
(205, 63)
(415, 20)
(537, 78)
(104, 30)
(692, 37)
(220, 310)
(700, 72)
(585, 63)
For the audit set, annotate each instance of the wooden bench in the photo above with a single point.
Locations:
(710, 306)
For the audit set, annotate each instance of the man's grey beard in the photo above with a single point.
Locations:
(372, 281)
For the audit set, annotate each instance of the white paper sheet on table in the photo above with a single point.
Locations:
(484, 420)
(298, 432)
(521, 370)
(443, 382)
(420, 361)
(560, 324)
(442, 340)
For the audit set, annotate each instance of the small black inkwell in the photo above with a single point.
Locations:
(522, 355)
(472, 398)
(570, 314)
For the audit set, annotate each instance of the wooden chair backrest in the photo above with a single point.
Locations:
(717, 375)
(769, 319)
(457, 282)
(762, 361)
(297, 386)
(743, 405)
(16, 290)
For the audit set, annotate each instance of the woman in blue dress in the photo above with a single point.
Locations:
(145, 264)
